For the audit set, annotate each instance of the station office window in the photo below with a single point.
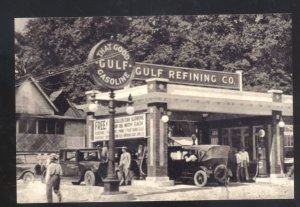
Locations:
(182, 128)
(237, 136)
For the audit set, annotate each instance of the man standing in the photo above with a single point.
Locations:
(124, 165)
(238, 166)
(53, 174)
(244, 163)
(104, 153)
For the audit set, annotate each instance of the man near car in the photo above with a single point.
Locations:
(53, 174)
(238, 166)
(104, 153)
(244, 163)
(124, 165)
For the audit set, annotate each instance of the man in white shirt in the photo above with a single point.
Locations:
(238, 166)
(244, 163)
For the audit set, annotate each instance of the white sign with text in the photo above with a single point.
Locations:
(125, 127)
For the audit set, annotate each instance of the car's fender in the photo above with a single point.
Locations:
(25, 171)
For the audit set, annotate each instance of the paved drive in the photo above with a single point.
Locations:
(264, 188)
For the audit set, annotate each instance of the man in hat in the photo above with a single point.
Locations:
(124, 165)
(53, 174)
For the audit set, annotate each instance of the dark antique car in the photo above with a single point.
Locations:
(211, 164)
(84, 165)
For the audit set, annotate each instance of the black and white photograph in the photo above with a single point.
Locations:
(154, 108)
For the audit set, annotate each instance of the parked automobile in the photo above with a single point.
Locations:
(211, 164)
(30, 165)
(84, 165)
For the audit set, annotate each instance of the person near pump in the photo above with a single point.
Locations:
(124, 165)
(238, 166)
(190, 156)
(53, 174)
(244, 163)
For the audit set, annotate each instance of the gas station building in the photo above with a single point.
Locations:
(216, 114)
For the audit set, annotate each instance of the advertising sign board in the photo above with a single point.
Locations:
(111, 64)
(188, 76)
(125, 127)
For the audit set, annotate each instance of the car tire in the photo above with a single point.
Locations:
(89, 178)
(200, 178)
(28, 177)
(220, 174)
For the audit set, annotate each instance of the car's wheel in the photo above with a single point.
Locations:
(220, 174)
(28, 177)
(89, 178)
(200, 178)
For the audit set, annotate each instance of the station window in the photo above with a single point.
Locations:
(42, 127)
(31, 126)
(182, 128)
(237, 136)
(51, 126)
(27, 126)
(22, 126)
(60, 127)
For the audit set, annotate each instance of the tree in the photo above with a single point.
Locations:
(260, 45)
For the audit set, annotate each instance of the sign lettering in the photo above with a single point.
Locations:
(125, 127)
(112, 64)
(187, 75)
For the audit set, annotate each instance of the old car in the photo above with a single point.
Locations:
(210, 165)
(30, 165)
(84, 165)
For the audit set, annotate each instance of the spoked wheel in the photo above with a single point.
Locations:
(28, 177)
(200, 178)
(89, 178)
(220, 174)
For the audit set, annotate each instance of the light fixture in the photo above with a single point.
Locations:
(93, 107)
(130, 108)
(165, 117)
(281, 123)
(205, 115)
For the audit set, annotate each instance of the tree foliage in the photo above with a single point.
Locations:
(259, 45)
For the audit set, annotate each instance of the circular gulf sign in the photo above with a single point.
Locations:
(111, 64)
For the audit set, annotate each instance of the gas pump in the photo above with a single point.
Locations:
(142, 160)
(261, 151)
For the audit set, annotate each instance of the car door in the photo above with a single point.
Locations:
(69, 164)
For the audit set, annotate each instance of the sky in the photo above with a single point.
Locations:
(20, 24)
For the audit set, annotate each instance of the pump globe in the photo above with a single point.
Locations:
(165, 118)
(93, 107)
(130, 110)
(281, 124)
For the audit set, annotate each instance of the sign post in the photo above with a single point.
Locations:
(111, 68)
